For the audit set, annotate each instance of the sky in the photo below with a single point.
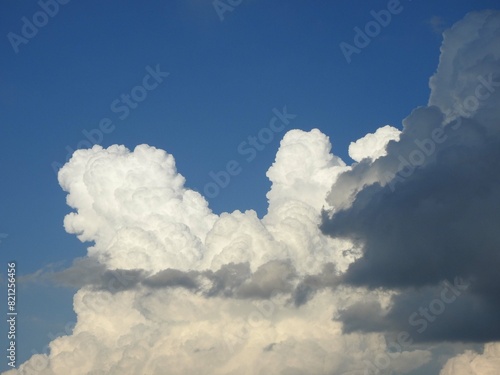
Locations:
(291, 187)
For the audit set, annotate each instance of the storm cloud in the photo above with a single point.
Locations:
(428, 211)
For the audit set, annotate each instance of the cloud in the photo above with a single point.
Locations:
(87, 272)
(169, 284)
(373, 145)
(304, 169)
(424, 213)
(474, 363)
(231, 280)
(330, 279)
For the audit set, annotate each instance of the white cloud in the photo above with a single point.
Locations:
(134, 205)
(473, 363)
(373, 145)
(468, 55)
(304, 169)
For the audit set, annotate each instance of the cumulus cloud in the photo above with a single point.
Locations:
(167, 284)
(137, 217)
(304, 169)
(330, 279)
(373, 145)
(474, 363)
(423, 214)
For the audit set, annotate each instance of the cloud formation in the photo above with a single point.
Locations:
(373, 145)
(170, 285)
(425, 213)
(473, 363)
(341, 275)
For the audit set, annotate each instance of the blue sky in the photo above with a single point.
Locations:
(225, 78)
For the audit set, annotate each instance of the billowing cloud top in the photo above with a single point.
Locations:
(373, 145)
(348, 273)
(138, 217)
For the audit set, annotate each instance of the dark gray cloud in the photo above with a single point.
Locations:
(439, 223)
(429, 314)
(363, 316)
(272, 277)
(233, 280)
(172, 278)
(88, 272)
(429, 211)
(305, 289)
(228, 278)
